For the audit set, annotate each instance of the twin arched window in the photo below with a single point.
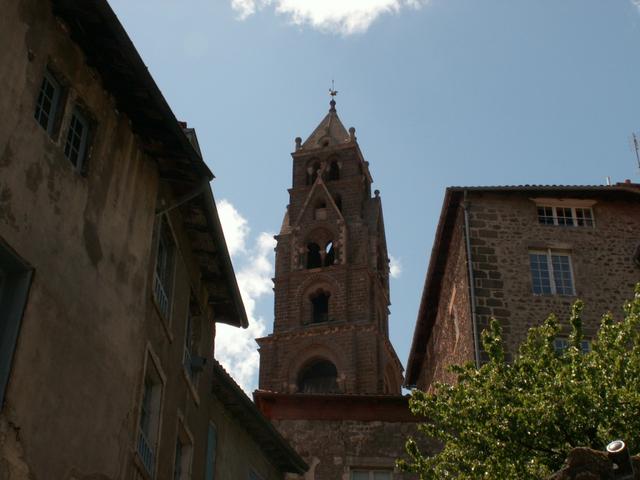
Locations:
(331, 173)
(320, 257)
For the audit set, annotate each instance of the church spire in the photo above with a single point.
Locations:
(330, 131)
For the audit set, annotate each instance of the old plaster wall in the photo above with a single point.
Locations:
(334, 448)
(70, 398)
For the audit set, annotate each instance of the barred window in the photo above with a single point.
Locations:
(551, 273)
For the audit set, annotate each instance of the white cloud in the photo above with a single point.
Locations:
(395, 266)
(235, 227)
(342, 16)
(236, 348)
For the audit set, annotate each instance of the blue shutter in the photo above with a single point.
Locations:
(210, 471)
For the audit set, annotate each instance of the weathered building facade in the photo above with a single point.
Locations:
(330, 380)
(518, 254)
(113, 269)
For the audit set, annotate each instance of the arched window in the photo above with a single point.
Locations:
(320, 307)
(334, 171)
(312, 172)
(319, 377)
(329, 255)
(314, 260)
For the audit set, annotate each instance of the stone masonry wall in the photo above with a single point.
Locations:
(334, 448)
(451, 341)
(504, 228)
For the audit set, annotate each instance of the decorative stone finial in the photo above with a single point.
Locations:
(332, 103)
(376, 193)
(352, 134)
(298, 143)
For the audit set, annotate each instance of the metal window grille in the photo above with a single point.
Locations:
(47, 102)
(551, 273)
(146, 453)
(75, 148)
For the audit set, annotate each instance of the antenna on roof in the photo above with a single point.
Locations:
(636, 147)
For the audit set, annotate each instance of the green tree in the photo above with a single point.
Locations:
(519, 419)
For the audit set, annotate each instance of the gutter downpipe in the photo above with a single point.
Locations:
(466, 207)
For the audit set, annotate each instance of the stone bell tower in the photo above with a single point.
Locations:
(330, 380)
(331, 332)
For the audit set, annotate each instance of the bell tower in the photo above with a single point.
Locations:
(331, 325)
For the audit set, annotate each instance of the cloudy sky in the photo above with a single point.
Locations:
(441, 92)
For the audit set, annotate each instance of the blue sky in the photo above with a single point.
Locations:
(441, 92)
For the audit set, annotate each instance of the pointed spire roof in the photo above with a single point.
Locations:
(331, 131)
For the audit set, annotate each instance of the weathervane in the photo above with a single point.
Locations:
(332, 91)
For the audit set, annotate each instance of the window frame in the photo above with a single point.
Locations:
(185, 447)
(163, 294)
(561, 344)
(56, 102)
(144, 445)
(15, 284)
(556, 215)
(549, 253)
(80, 116)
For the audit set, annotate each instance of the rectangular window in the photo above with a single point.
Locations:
(48, 102)
(163, 275)
(76, 146)
(371, 475)
(551, 273)
(212, 439)
(562, 343)
(15, 280)
(190, 350)
(149, 424)
(565, 216)
(184, 453)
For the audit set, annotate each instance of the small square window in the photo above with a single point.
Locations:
(48, 102)
(77, 144)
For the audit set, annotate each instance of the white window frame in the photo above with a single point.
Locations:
(549, 253)
(147, 442)
(574, 204)
(82, 149)
(56, 98)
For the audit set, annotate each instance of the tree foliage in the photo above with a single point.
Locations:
(520, 419)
